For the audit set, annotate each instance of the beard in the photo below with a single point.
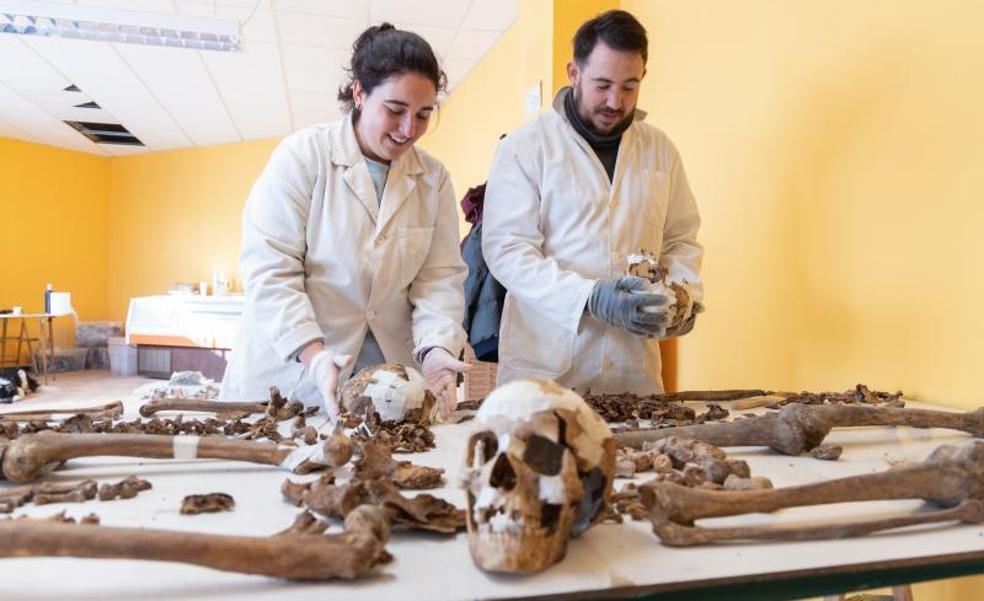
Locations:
(587, 113)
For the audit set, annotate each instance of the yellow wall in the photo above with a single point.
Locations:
(54, 211)
(175, 216)
(835, 151)
(568, 16)
(491, 99)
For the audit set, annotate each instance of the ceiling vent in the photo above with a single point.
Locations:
(88, 105)
(72, 88)
(105, 133)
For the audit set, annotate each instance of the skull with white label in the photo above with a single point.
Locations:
(538, 470)
(391, 391)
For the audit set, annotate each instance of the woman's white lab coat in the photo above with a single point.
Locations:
(554, 224)
(320, 259)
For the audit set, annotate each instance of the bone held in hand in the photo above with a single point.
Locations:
(948, 477)
(798, 428)
(348, 555)
(24, 459)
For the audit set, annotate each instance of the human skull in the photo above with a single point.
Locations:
(538, 469)
(679, 298)
(395, 392)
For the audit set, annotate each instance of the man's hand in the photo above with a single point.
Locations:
(613, 302)
(440, 372)
(323, 370)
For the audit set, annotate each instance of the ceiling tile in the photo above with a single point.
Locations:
(472, 44)
(251, 83)
(25, 71)
(491, 15)
(100, 71)
(311, 107)
(314, 69)
(300, 29)
(153, 6)
(351, 9)
(182, 84)
(256, 26)
(24, 116)
(439, 38)
(456, 70)
(433, 13)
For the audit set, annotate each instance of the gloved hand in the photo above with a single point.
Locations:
(612, 301)
(323, 370)
(440, 372)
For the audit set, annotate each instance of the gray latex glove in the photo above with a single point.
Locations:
(612, 301)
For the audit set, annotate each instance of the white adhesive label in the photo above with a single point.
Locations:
(314, 453)
(392, 396)
(185, 447)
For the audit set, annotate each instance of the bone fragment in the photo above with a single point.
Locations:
(124, 489)
(213, 502)
(969, 511)
(106, 411)
(948, 477)
(306, 523)
(24, 459)
(347, 555)
(798, 428)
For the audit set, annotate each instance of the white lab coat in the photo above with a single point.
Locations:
(320, 259)
(554, 225)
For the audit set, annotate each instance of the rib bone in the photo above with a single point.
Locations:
(948, 477)
(347, 555)
(798, 428)
(23, 460)
(676, 535)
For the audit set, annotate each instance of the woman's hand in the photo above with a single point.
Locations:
(441, 371)
(323, 368)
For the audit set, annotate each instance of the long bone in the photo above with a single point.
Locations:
(798, 428)
(970, 511)
(107, 411)
(348, 555)
(149, 408)
(24, 459)
(948, 477)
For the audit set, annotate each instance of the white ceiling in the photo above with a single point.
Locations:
(285, 78)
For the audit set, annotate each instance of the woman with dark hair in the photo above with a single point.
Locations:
(350, 241)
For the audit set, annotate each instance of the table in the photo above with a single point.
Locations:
(45, 340)
(609, 561)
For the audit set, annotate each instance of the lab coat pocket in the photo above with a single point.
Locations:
(412, 246)
(531, 343)
(655, 194)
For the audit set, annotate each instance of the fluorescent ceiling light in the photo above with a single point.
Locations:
(111, 25)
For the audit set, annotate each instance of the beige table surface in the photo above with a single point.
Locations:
(608, 560)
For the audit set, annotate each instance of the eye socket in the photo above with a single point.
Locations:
(490, 446)
(544, 455)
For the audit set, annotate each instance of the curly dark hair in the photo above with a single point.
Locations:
(383, 51)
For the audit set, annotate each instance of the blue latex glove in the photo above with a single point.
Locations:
(613, 302)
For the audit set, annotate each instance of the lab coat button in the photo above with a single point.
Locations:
(370, 314)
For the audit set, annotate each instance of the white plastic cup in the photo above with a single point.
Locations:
(15, 310)
(203, 288)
